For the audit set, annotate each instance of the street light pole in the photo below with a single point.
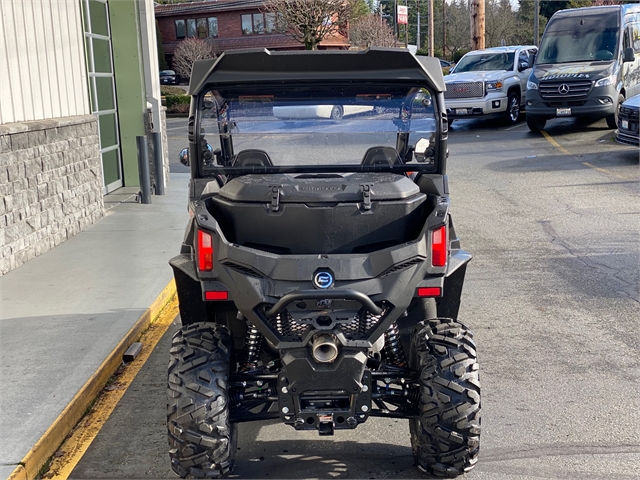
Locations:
(536, 22)
(431, 38)
(406, 25)
(418, 29)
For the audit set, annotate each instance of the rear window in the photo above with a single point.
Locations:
(312, 126)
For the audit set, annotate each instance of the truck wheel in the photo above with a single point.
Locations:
(513, 108)
(336, 112)
(445, 439)
(612, 120)
(535, 124)
(202, 441)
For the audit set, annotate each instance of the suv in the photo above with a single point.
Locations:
(320, 275)
(490, 82)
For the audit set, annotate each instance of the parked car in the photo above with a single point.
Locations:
(489, 82)
(334, 112)
(628, 122)
(169, 77)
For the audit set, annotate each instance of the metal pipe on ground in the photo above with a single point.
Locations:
(143, 169)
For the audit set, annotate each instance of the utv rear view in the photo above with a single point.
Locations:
(320, 275)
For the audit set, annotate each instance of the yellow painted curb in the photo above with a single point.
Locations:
(47, 445)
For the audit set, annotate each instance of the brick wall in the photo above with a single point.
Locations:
(50, 185)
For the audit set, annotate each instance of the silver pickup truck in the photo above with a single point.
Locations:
(490, 82)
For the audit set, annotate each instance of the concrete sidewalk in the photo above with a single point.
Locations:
(64, 312)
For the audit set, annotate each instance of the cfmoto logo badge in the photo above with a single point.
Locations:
(323, 279)
(563, 89)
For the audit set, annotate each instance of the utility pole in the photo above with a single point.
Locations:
(477, 24)
(431, 38)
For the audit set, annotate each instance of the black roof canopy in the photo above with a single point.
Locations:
(261, 66)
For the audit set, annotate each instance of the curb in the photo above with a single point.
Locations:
(47, 445)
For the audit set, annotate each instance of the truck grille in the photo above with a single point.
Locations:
(464, 90)
(630, 114)
(565, 90)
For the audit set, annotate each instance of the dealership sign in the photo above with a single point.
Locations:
(403, 14)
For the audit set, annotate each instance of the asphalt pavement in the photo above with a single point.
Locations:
(64, 312)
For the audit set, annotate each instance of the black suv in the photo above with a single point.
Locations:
(320, 275)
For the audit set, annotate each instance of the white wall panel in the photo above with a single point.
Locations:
(41, 60)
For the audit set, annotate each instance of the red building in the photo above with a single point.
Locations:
(231, 24)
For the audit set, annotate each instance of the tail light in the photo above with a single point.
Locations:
(205, 251)
(439, 247)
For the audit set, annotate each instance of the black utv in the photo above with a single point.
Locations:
(320, 275)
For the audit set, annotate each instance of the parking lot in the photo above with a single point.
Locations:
(551, 295)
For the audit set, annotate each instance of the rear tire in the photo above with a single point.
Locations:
(612, 120)
(202, 441)
(337, 112)
(535, 124)
(446, 438)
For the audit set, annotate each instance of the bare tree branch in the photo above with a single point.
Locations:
(371, 31)
(190, 50)
(310, 21)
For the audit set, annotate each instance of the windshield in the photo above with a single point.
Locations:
(485, 62)
(580, 38)
(311, 126)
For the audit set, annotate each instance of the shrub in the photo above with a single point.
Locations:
(171, 100)
(168, 90)
(178, 108)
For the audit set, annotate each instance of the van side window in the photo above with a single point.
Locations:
(635, 36)
(626, 43)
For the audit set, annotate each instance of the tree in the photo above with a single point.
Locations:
(188, 51)
(371, 31)
(524, 23)
(310, 21)
(359, 9)
(549, 7)
(500, 19)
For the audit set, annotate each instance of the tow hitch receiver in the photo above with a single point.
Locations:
(325, 424)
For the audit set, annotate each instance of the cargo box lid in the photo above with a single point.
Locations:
(319, 188)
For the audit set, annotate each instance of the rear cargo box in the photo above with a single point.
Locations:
(314, 214)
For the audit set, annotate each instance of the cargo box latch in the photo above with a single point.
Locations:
(366, 194)
(275, 199)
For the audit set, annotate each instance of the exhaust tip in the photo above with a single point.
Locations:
(324, 349)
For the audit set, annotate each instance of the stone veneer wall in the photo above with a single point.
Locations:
(50, 185)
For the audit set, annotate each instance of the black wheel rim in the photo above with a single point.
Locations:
(514, 110)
